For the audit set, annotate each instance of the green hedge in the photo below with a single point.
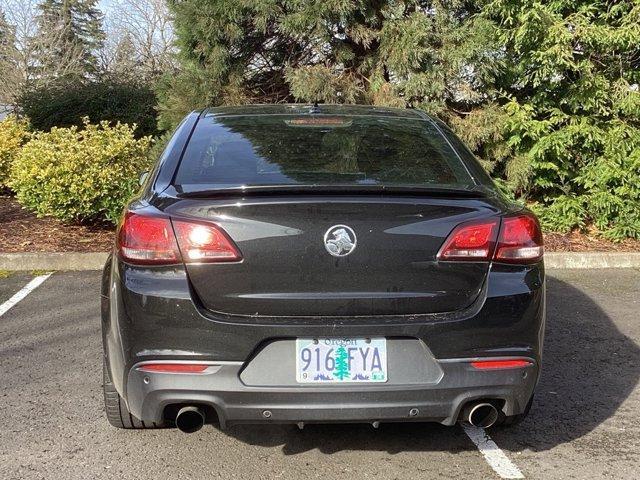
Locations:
(80, 175)
(67, 101)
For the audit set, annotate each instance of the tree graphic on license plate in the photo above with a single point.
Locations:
(342, 364)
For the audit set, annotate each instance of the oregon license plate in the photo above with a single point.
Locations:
(341, 360)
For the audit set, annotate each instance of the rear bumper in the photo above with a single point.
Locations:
(149, 314)
(149, 395)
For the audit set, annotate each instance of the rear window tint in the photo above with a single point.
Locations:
(479, 173)
(267, 150)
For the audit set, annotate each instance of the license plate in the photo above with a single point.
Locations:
(341, 360)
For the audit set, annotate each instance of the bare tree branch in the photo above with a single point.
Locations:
(146, 25)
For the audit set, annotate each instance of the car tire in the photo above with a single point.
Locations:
(116, 410)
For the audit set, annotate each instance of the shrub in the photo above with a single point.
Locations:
(570, 74)
(610, 197)
(83, 175)
(13, 134)
(67, 101)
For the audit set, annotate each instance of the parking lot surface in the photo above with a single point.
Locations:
(583, 424)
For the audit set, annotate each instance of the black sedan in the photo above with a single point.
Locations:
(305, 263)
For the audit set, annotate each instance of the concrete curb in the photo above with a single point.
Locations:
(53, 261)
(592, 260)
(95, 261)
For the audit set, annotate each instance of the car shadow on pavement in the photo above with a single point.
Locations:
(589, 369)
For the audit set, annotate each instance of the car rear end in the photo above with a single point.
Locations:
(322, 264)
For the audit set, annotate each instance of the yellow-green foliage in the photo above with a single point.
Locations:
(13, 133)
(78, 174)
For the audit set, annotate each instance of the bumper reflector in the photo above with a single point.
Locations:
(174, 368)
(499, 364)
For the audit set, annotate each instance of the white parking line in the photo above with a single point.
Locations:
(24, 291)
(495, 457)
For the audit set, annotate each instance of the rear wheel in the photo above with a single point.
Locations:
(117, 412)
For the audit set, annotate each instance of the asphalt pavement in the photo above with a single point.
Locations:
(584, 422)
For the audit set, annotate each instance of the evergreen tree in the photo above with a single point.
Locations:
(429, 54)
(6, 39)
(6, 36)
(69, 34)
(125, 61)
(9, 74)
(571, 110)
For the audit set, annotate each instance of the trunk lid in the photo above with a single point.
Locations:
(288, 271)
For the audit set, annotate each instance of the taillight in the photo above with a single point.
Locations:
(146, 240)
(471, 241)
(201, 242)
(150, 240)
(520, 240)
(516, 239)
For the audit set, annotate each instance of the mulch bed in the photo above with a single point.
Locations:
(586, 242)
(22, 231)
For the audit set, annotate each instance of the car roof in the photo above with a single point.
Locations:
(307, 108)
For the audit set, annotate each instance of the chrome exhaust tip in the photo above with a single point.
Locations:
(190, 419)
(482, 415)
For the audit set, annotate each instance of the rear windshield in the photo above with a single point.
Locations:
(265, 150)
